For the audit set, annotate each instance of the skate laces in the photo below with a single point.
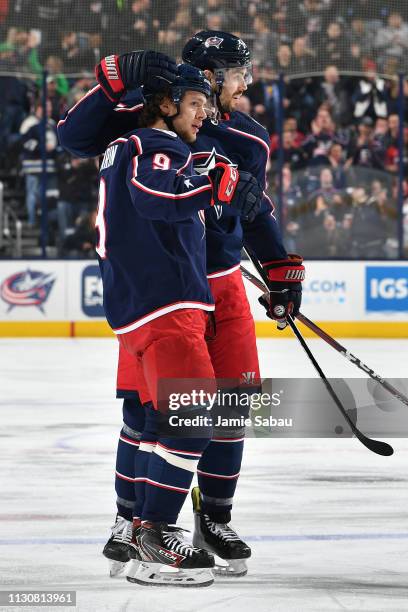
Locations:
(122, 530)
(222, 530)
(173, 538)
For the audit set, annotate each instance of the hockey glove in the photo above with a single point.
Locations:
(285, 278)
(240, 190)
(118, 73)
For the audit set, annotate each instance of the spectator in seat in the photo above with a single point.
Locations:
(310, 18)
(77, 179)
(83, 240)
(338, 165)
(360, 35)
(393, 38)
(58, 101)
(134, 29)
(19, 52)
(332, 92)
(75, 53)
(368, 229)
(370, 95)
(265, 42)
(30, 132)
(356, 58)
(264, 97)
(330, 239)
(392, 144)
(322, 136)
(292, 154)
(54, 66)
(289, 125)
(283, 63)
(333, 50)
(367, 151)
(289, 211)
(327, 193)
(303, 57)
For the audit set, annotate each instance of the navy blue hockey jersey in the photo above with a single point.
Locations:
(151, 246)
(93, 122)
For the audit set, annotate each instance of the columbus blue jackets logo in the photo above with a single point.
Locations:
(213, 41)
(28, 288)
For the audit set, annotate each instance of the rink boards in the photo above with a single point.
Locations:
(64, 298)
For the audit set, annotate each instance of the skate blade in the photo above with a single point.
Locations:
(230, 568)
(131, 569)
(154, 574)
(117, 568)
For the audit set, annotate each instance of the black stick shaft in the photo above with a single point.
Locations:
(343, 351)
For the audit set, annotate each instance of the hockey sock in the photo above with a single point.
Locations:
(133, 423)
(218, 473)
(171, 469)
(148, 442)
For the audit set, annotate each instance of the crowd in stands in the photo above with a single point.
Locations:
(340, 158)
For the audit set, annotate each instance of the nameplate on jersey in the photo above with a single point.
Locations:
(109, 157)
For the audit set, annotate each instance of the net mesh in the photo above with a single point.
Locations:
(68, 37)
(334, 170)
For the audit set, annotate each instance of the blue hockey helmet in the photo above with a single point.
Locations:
(216, 50)
(189, 78)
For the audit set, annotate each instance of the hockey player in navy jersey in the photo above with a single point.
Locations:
(231, 137)
(151, 252)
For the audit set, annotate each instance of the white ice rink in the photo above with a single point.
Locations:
(326, 519)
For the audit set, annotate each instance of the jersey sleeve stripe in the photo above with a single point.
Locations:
(121, 108)
(256, 138)
(138, 143)
(117, 140)
(180, 170)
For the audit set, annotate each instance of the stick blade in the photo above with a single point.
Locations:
(377, 446)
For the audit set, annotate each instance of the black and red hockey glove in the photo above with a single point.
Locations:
(118, 73)
(285, 278)
(237, 189)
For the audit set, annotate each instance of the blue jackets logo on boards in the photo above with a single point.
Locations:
(387, 288)
(92, 292)
(28, 288)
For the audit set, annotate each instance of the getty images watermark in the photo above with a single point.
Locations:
(220, 404)
(278, 408)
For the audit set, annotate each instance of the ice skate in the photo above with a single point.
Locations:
(117, 548)
(221, 540)
(168, 560)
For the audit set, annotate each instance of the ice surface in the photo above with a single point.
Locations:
(326, 519)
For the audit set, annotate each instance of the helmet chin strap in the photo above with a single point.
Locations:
(219, 81)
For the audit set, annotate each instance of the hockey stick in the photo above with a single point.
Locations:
(333, 343)
(376, 446)
(343, 351)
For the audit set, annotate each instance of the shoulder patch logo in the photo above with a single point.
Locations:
(213, 41)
